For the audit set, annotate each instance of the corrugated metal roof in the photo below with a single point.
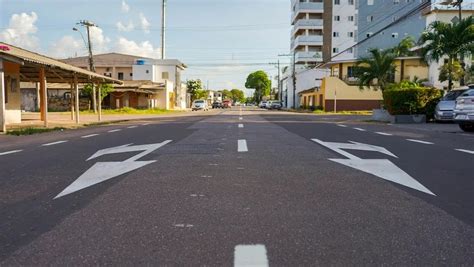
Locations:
(35, 58)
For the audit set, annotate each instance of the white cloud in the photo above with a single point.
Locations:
(144, 49)
(66, 47)
(144, 23)
(125, 7)
(100, 43)
(125, 28)
(22, 31)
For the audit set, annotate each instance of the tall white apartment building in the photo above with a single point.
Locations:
(343, 29)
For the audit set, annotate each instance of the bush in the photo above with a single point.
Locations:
(412, 101)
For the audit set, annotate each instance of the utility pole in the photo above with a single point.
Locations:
(163, 27)
(88, 24)
(279, 79)
(294, 79)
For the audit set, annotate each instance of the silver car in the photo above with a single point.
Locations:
(464, 111)
(445, 108)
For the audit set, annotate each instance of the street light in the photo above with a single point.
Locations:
(83, 39)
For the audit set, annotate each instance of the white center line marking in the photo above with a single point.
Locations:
(54, 143)
(241, 125)
(360, 129)
(131, 127)
(420, 141)
(90, 135)
(250, 255)
(465, 151)
(10, 152)
(342, 125)
(382, 133)
(116, 130)
(242, 145)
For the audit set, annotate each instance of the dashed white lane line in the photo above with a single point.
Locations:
(132, 127)
(241, 125)
(465, 151)
(360, 129)
(242, 145)
(89, 136)
(54, 143)
(250, 255)
(240, 118)
(10, 152)
(420, 141)
(146, 124)
(116, 130)
(342, 125)
(382, 133)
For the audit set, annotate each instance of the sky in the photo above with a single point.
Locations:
(221, 41)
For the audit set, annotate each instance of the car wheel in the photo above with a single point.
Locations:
(467, 127)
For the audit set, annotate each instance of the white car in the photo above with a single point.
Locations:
(464, 111)
(262, 104)
(200, 104)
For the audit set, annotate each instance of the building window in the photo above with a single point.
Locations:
(369, 34)
(396, 2)
(165, 75)
(335, 34)
(394, 18)
(351, 2)
(337, 2)
(350, 18)
(370, 18)
(120, 75)
(370, 2)
(335, 50)
(395, 35)
(350, 34)
(131, 74)
(337, 18)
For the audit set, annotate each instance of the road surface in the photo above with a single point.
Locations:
(233, 187)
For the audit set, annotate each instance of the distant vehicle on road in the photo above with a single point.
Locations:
(464, 111)
(275, 105)
(268, 105)
(227, 104)
(445, 108)
(217, 104)
(262, 104)
(199, 104)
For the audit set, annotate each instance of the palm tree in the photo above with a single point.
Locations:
(445, 39)
(377, 70)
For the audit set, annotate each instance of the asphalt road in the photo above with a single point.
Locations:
(252, 187)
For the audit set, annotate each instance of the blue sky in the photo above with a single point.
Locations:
(218, 39)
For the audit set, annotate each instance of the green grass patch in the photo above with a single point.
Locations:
(132, 111)
(33, 130)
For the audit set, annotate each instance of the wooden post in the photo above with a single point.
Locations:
(94, 101)
(76, 87)
(41, 93)
(3, 122)
(72, 100)
(99, 102)
(44, 97)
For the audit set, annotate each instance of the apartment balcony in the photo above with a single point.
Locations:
(307, 7)
(313, 40)
(307, 24)
(309, 57)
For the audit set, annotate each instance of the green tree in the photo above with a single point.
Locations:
(377, 70)
(194, 86)
(260, 82)
(454, 69)
(450, 40)
(226, 94)
(237, 95)
(105, 89)
(403, 49)
(202, 94)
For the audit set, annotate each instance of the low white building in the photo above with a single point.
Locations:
(305, 79)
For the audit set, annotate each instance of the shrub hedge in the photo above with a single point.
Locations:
(412, 101)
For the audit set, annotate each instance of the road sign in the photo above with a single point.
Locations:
(382, 168)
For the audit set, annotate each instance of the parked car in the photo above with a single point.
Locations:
(445, 108)
(217, 104)
(200, 104)
(227, 104)
(464, 111)
(276, 105)
(262, 104)
(268, 105)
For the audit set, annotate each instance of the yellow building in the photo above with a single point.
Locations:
(341, 92)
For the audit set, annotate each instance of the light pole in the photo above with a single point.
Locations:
(163, 28)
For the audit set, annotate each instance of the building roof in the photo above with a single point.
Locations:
(55, 70)
(147, 87)
(120, 60)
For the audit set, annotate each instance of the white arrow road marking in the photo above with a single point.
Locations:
(465, 151)
(54, 143)
(103, 171)
(250, 255)
(10, 152)
(382, 168)
(242, 146)
(420, 141)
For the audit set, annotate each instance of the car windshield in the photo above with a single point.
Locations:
(453, 95)
(468, 93)
(199, 102)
